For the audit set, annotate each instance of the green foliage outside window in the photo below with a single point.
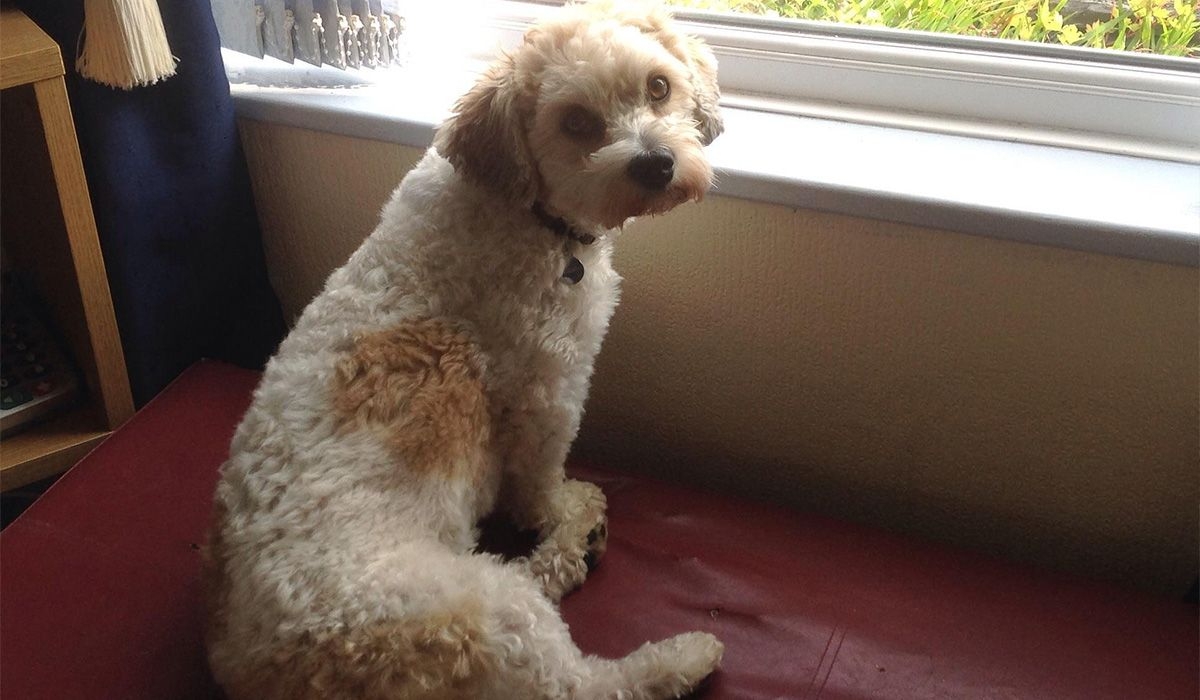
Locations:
(1168, 27)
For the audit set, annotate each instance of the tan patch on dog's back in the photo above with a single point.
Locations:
(422, 384)
(440, 657)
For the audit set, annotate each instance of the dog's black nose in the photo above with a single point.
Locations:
(652, 169)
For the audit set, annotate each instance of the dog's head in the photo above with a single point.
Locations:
(601, 115)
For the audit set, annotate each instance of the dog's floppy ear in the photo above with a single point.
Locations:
(704, 76)
(485, 137)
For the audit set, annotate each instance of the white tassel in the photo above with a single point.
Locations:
(124, 44)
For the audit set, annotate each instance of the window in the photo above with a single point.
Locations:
(1166, 27)
(1130, 103)
(859, 120)
(1097, 99)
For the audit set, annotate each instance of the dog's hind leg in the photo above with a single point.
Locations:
(670, 668)
(486, 632)
(536, 658)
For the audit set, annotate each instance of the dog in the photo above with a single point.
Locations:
(441, 375)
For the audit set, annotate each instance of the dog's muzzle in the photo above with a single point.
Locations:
(652, 169)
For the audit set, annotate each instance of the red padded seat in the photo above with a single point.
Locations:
(99, 595)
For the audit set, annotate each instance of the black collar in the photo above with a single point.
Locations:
(559, 226)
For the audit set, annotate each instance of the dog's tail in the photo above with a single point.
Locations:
(498, 638)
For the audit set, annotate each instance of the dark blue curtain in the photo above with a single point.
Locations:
(173, 204)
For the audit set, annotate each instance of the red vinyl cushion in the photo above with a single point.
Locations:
(99, 594)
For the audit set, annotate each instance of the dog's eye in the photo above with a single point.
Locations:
(659, 88)
(581, 123)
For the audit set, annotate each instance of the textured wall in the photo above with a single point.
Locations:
(318, 196)
(1034, 402)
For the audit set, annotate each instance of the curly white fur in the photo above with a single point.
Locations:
(441, 374)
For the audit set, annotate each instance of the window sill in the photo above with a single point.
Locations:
(1082, 200)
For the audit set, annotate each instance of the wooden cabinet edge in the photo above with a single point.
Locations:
(108, 358)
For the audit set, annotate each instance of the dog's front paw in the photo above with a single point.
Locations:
(574, 545)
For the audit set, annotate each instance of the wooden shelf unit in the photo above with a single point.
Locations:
(48, 230)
